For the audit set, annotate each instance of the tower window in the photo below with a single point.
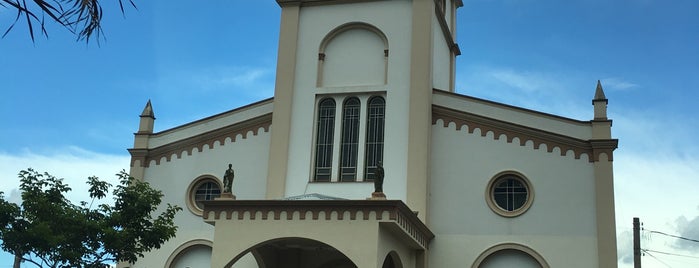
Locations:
(324, 140)
(361, 138)
(374, 135)
(350, 140)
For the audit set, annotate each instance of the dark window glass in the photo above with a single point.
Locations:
(510, 193)
(324, 140)
(206, 191)
(350, 140)
(374, 135)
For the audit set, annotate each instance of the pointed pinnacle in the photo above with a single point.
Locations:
(599, 92)
(148, 111)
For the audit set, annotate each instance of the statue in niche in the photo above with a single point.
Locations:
(378, 178)
(228, 179)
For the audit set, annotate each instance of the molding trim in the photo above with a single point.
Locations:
(592, 148)
(448, 36)
(177, 148)
(393, 212)
(519, 247)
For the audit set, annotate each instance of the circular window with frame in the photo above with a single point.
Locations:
(509, 194)
(203, 188)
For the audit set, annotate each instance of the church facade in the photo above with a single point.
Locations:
(364, 92)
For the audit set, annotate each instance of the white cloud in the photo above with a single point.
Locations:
(614, 83)
(73, 164)
(657, 188)
(239, 79)
(526, 81)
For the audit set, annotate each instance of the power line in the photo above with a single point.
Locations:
(675, 236)
(648, 253)
(671, 254)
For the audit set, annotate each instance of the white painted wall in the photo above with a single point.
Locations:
(392, 18)
(354, 57)
(249, 158)
(441, 60)
(560, 225)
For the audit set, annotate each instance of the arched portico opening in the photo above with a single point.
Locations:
(295, 252)
(510, 255)
(392, 260)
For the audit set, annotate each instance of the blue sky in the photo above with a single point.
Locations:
(70, 108)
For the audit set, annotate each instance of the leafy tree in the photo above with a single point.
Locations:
(81, 17)
(49, 231)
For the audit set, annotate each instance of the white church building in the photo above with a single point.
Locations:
(467, 182)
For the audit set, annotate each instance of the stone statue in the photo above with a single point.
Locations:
(228, 179)
(378, 178)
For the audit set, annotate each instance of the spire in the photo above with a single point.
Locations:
(600, 103)
(599, 92)
(148, 111)
(147, 119)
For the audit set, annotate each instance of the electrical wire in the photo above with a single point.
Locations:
(671, 254)
(648, 253)
(675, 236)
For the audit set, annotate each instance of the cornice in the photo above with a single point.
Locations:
(448, 36)
(322, 210)
(510, 107)
(284, 3)
(145, 156)
(592, 148)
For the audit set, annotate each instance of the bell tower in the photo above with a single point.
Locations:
(354, 87)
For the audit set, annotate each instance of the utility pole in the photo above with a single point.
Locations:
(636, 243)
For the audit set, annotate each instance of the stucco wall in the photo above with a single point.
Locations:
(560, 224)
(249, 158)
(392, 18)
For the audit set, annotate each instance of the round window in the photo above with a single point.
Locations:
(202, 189)
(509, 194)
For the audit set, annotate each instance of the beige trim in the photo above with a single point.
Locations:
(604, 205)
(519, 247)
(184, 247)
(144, 156)
(283, 93)
(420, 102)
(214, 117)
(592, 148)
(489, 198)
(511, 107)
(448, 37)
(192, 188)
(285, 3)
(391, 214)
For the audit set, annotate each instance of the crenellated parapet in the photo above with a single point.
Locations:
(392, 214)
(510, 131)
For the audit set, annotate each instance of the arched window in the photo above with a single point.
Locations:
(324, 140)
(349, 145)
(374, 135)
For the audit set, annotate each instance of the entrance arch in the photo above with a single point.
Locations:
(295, 252)
(392, 260)
(510, 255)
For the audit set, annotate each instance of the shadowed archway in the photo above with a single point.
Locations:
(296, 252)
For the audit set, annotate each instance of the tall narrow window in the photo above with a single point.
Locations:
(324, 140)
(374, 135)
(349, 145)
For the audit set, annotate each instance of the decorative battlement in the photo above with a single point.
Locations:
(393, 214)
